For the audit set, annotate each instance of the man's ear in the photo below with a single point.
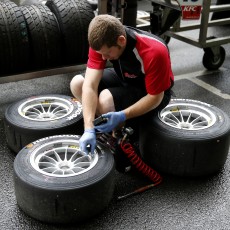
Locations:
(121, 40)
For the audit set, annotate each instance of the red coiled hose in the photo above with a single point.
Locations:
(141, 166)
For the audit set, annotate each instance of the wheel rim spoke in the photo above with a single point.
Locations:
(47, 108)
(187, 116)
(57, 156)
(62, 161)
(42, 109)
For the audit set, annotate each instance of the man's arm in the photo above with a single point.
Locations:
(90, 96)
(144, 105)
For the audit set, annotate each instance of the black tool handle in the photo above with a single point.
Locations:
(100, 120)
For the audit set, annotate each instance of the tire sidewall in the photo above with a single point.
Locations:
(217, 129)
(185, 153)
(24, 169)
(63, 199)
(21, 123)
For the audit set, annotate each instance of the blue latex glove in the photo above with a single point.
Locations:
(114, 119)
(88, 141)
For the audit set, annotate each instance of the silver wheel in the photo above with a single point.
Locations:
(187, 116)
(57, 183)
(45, 108)
(186, 138)
(40, 116)
(62, 159)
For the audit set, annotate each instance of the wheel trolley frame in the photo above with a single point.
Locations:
(203, 41)
(214, 53)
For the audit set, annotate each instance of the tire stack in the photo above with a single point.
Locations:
(35, 37)
(14, 41)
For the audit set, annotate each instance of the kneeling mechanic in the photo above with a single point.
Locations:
(139, 82)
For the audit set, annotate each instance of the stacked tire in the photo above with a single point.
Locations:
(35, 37)
(73, 18)
(44, 37)
(14, 41)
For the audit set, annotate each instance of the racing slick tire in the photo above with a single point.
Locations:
(57, 183)
(40, 116)
(187, 138)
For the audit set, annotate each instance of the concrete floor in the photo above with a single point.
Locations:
(178, 203)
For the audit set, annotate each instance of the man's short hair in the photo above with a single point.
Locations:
(104, 30)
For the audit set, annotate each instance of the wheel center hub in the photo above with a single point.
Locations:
(46, 115)
(185, 125)
(64, 165)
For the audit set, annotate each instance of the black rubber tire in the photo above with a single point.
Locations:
(93, 3)
(14, 43)
(44, 36)
(73, 17)
(208, 59)
(63, 199)
(30, 2)
(186, 153)
(20, 131)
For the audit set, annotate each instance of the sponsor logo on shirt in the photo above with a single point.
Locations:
(129, 75)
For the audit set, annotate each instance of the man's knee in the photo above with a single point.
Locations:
(76, 86)
(105, 102)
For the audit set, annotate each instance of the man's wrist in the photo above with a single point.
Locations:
(123, 116)
(90, 130)
(88, 125)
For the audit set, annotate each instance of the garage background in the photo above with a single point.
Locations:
(178, 203)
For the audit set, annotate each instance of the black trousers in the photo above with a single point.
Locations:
(127, 92)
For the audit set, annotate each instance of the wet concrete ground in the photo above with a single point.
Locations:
(178, 203)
